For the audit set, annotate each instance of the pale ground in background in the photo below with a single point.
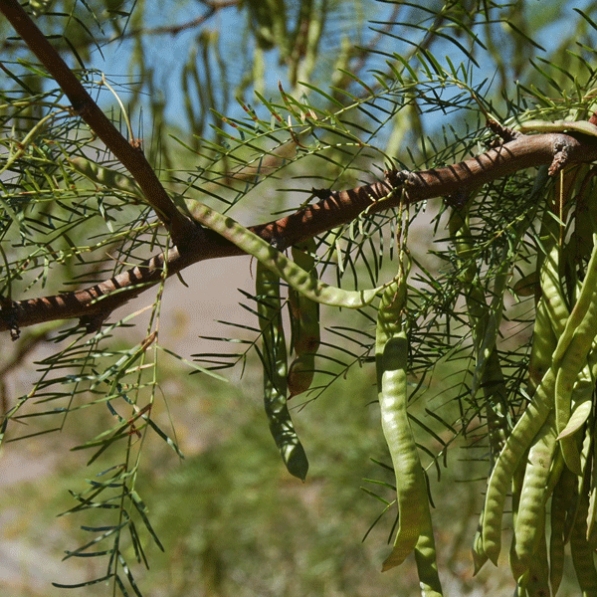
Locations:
(187, 313)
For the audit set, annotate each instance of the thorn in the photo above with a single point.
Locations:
(11, 317)
(397, 178)
(92, 323)
(505, 133)
(459, 199)
(321, 193)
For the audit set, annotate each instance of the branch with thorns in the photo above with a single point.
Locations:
(92, 305)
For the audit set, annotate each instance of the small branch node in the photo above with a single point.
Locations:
(321, 193)
(561, 156)
(398, 178)
(459, 199)
(505, 133)
(92, 323)
(8, 307)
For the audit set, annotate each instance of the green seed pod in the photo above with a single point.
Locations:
(410, 479)
(302, 281)
(107, 177)
(508, 460)
(389, 323)
(530, 519)
(426, 559)
(556, 537)
(274, 361)
(582, 553)
(304, 316)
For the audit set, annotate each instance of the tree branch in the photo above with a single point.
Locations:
(212, 9)
(92, 305)
(183, 231)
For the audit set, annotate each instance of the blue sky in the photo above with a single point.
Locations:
(168, 53)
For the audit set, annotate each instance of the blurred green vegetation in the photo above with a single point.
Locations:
(233, 522)
(231, 519)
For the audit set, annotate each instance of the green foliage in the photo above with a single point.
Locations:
(275, 98)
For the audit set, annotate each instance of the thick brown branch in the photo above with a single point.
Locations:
(183, 231)
(344, 206)
(524, 151)
(94, 304)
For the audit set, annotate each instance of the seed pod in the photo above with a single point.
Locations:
(273, 357)
(530, 519)
(304, 316)
(302, 281)
(410, 479)
(515, 447)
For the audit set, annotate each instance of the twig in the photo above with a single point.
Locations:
(213, 8)
(173, 30)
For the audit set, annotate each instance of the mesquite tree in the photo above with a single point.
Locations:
(370, 125)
